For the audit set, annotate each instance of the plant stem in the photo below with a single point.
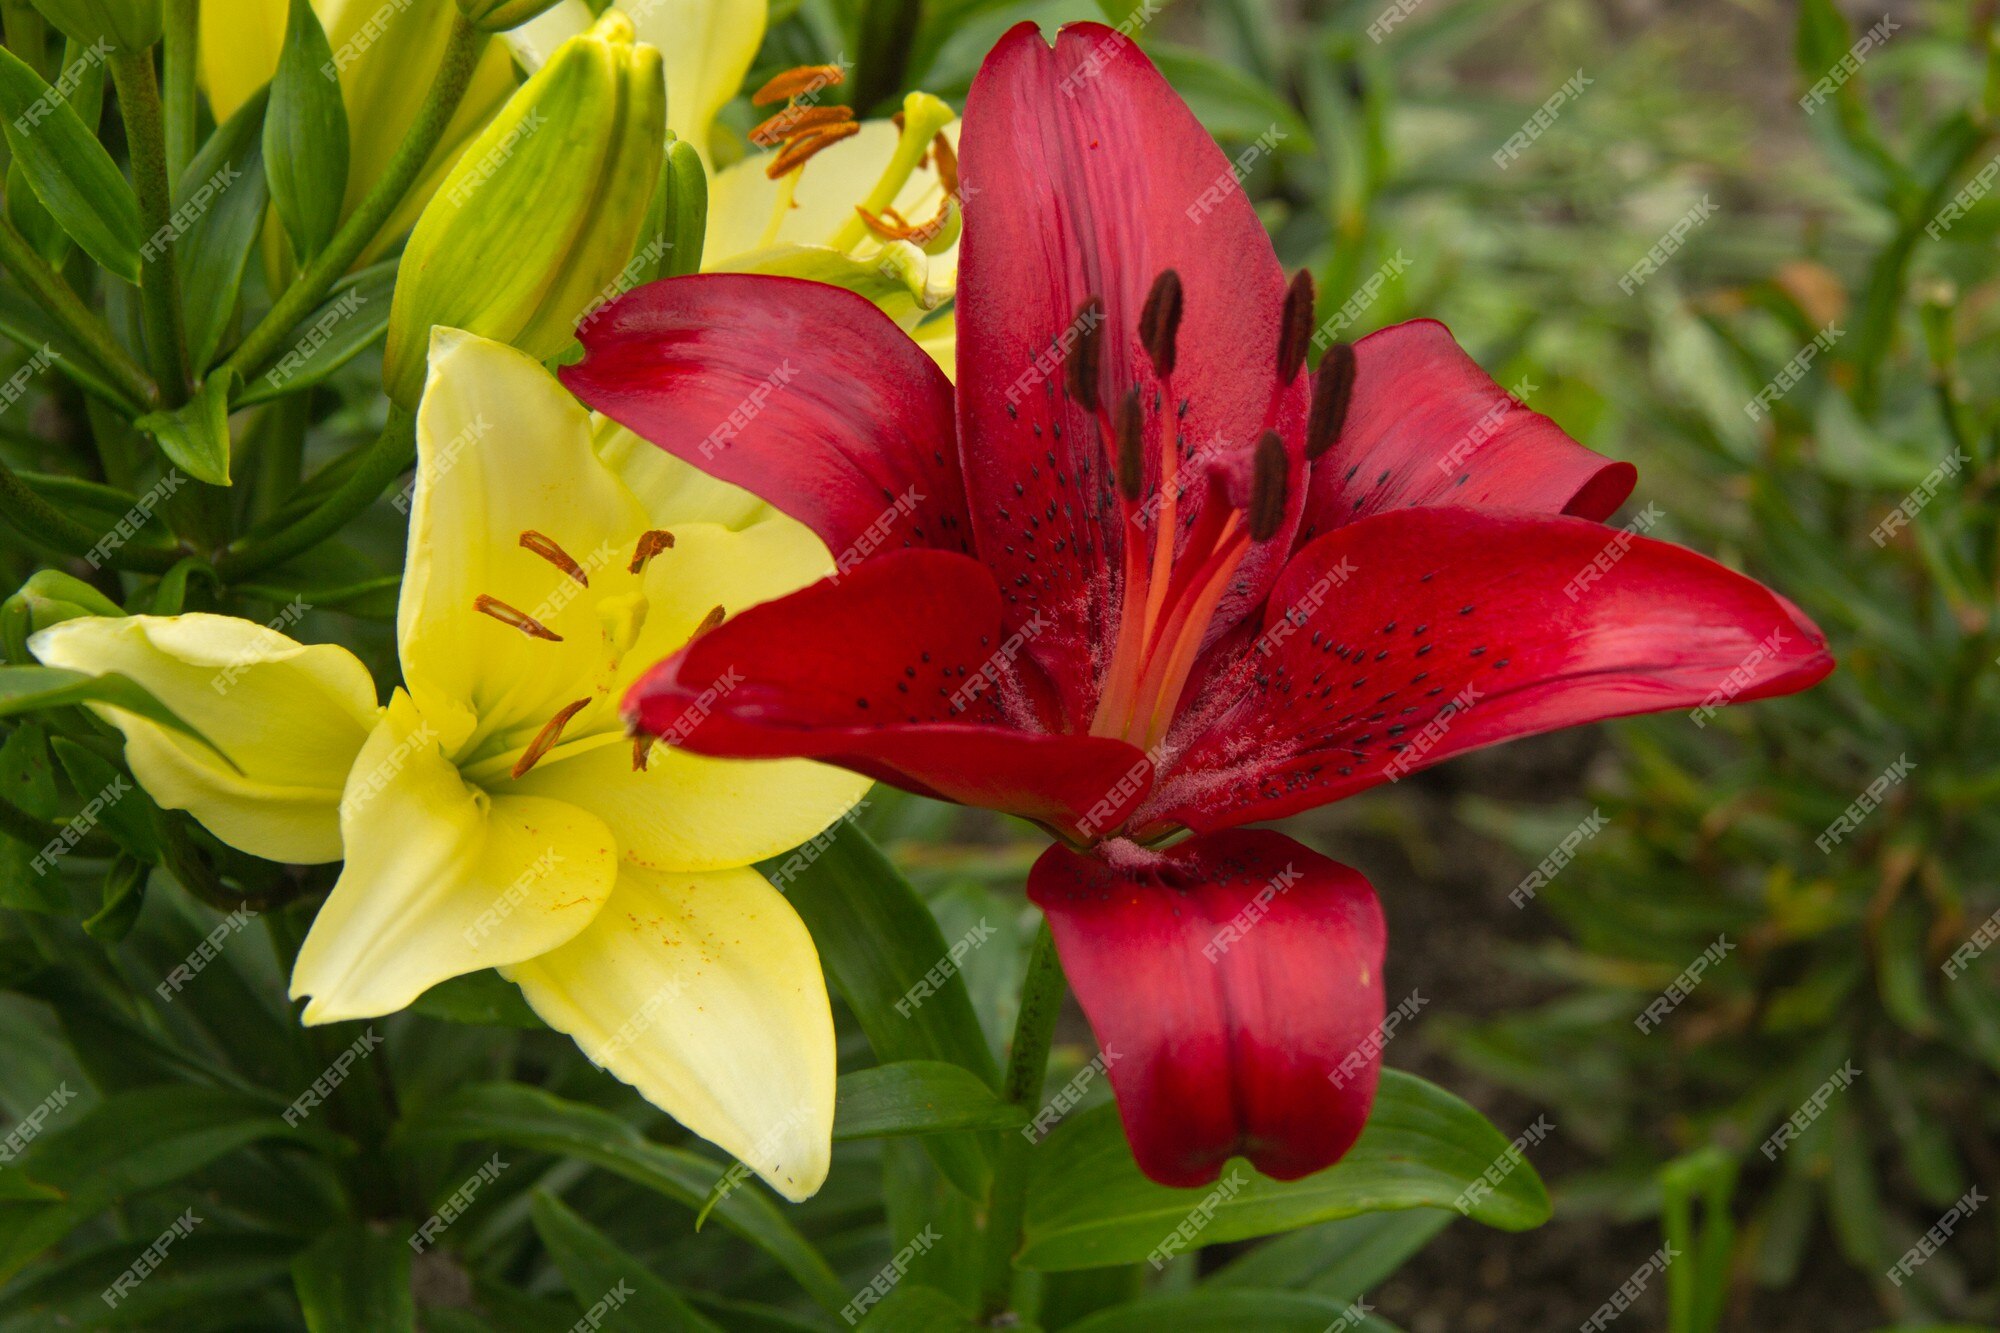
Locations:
(59, 302)
(1027, 1066)
(159, 281)
(461, 52)
(384, 462)
(178, 49)
(48, 525)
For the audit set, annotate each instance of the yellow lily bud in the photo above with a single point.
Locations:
(501, 15)
(541, 213)
(122, 25)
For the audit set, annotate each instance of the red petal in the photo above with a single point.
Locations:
(1228, 980)
(801, 393)
(1086, 175)
(1528, 622)
(1427, 426)
(881, 671)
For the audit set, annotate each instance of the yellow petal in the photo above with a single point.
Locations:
(240, 40)
(536, 40)
(708, 45)
(704, 993)
(441, 878)
(674, 492)
(502, 450)
(938, 336)
(292, 717)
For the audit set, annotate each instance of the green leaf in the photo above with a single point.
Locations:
(917, 1097)
(1089, 1205)
(356, 1280)
(111, 800)
(353, 316)
(483, 998)
(614, 1289)
(83, 69)
(686, 212)
(1230, 1311)
(72, 175)
(524, 1117)
(30, 689)
(911, 1308)
(1342, 1259)
(305, 135)
(196, 435)
(209, 1267)
(27, 775)
(124, 895)
(224, 191)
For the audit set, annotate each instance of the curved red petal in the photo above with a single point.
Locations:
(801, 393)
(899, 670)
(1427, 426)
(1411, 636)
(1234, 983)
(1085, 175)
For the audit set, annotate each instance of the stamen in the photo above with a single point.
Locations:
(1333, 391)
(797, 82)
(795, 120)
(1295, 326)
(520, 620)
(545, 739)
(651, 543)
(1081, 370)
(1127, 427)
(947, 162)
(642, 749)
(708, 622)
(892, 226)
(1160, 322)
(1267, 492)
(547, 549)
(802, 149)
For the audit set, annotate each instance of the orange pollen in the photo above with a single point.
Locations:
(545, 739)
(798, 83)
(520, 620)
(802, 149)
(547, 549)
(651, 543)
(796, 120)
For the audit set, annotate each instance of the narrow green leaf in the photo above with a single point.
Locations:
(113, 802)
(305, 135)
(1089, 1205)
(30, 689)
(355, 1279)
(196, 435)
(910, 1308)
(1342, 1259)
(210, 1267)
(483, 998)
(1231, 1311)
(220, 204)
(83, 73)
(354, 315)
(27, 774)
(917, 1097)
(72, 175)
(124, 895)
(616, 1291)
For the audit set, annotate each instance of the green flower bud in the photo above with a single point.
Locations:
(502, 15)
(122, 25)
(540, 214)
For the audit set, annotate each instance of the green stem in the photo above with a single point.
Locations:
(385, 460)
(454, 73)
(1027, 1066)
(60, 303)
(179, 47)
(44, 523)
(159, 280)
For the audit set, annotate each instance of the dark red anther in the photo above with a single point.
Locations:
(1267, 488)
(1295, 326)
(1160, 322)
(1128, 425)
(1333, 391)
(1080, 372)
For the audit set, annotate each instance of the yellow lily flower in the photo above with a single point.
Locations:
(494, 814)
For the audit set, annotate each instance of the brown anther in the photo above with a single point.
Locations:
(1333, 391)
(893, 226)
(1295, 326)
(795, 120)
(1267, 488)
(708, 622)
(642, 746)
(547, 549)
(800, 150)
(1160, 322)
(545, 739)
(651, 543)
(798, 82)
(1080, 372)
(520, 620)
(947, 162)
(1128, 424)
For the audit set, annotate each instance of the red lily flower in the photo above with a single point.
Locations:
(1144, 576)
